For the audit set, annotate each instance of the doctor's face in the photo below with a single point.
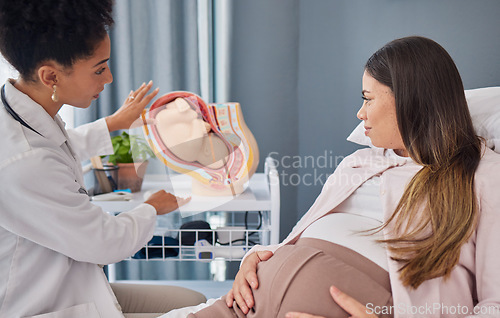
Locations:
(379, 115)
(81, 84)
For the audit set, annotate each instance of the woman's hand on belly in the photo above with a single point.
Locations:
(246, 280)
(349, 304)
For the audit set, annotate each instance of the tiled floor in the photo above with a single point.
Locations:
(211, 289)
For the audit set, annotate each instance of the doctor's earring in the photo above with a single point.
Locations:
(54, 96)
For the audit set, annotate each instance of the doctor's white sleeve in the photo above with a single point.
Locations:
(91, 139)
(43, 204)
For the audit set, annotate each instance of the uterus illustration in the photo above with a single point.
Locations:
(209, 142)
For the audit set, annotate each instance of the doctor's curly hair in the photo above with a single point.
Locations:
(34, 31)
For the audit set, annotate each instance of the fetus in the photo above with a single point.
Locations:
(211, 143)
(188, 136)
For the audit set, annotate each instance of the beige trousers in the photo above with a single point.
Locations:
(148, 301)
(298, 277)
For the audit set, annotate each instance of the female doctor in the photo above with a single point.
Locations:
(53, 240)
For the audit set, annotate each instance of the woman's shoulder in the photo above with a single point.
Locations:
(487, 178)
(374, 157)
(489, 163)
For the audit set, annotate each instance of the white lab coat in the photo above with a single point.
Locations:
(52, 238)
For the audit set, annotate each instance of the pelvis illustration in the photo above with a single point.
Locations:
(211, 143)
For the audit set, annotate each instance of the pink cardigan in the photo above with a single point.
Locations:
(474, 284)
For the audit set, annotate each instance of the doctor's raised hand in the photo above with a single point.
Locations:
(128, 114)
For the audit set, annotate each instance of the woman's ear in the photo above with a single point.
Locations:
(48, 74)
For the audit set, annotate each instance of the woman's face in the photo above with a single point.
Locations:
(379, 114)
(86, 79)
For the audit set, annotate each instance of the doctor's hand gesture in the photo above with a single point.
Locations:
(165, 202)
(353, 307)
(128, 114)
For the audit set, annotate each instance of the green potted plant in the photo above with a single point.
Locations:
(131, 154)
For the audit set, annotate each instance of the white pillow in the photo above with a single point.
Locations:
(484, 107)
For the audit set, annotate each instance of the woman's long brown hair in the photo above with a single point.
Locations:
(438, 210)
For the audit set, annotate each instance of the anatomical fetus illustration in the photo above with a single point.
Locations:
(211, 143)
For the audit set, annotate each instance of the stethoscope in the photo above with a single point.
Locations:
(13, 113)
(22, 122)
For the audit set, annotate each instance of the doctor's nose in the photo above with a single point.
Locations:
(109, 78)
